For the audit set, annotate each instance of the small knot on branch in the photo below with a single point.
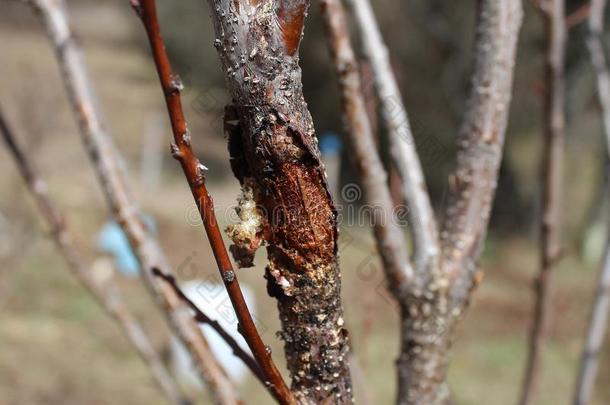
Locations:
(228, 276)
(175, 151)
(186, 138)
(175, 85)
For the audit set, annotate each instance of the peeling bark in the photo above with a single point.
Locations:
(195, 174)
(273, 146)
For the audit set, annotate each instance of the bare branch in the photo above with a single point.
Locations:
(598, 322)
(553, 12)
(194, 172)
(578, 16)
(599, 60)
(480, 143)
(109, 169)
(275, 156)
(389, 237)
(201, 317)
(596, 333)
(106, 292)
(402, 144)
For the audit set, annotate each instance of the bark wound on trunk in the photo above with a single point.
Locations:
(274, 152)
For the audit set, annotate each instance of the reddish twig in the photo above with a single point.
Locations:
(201, 317)
(109, 170)
(194, 172)
(553, 145)
(106, 292)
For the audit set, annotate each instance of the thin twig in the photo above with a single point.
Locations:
(421, 216)
(389, 237)
(434, 304)
(201, 317)
(109, 169)
(106, 292)
(552, 163)
(598, 322)
(194, 172)
(274, 155)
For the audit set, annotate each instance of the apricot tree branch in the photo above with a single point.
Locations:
(480, 142)
(553, 12)
(108, 167)
(105, 291)
(598, 322)
(203, 318)
(274, 154)
(389, 237)
(402, 145)
(194, 172)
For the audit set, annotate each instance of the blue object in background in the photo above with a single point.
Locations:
(113, 241)
(330, 144)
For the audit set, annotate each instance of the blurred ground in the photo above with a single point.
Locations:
(58, 347)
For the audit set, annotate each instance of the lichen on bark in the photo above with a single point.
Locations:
(274, 149)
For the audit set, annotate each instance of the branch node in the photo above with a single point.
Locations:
(175, 151)
(176, 85)
(228, 276)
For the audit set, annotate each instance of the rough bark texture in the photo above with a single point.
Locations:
(194, 172)
(598, 322)
(105, 290)
(432, 309)
(551, 174)
(274, 151)
(108, 167)
(434, 295)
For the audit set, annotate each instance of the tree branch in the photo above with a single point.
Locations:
(194, 172)
(598, 322)
(553, 12)
(402, 145)
(389, 237)
(201, 317)
(106, 292)
(108, 167)
(274, 154)
(480, 144)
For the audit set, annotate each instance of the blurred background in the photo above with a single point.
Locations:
(59, 347)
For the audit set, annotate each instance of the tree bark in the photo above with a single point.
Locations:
(194, 172)
(431, 312)
(553, 144)
(391, 242)
(275, 156)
